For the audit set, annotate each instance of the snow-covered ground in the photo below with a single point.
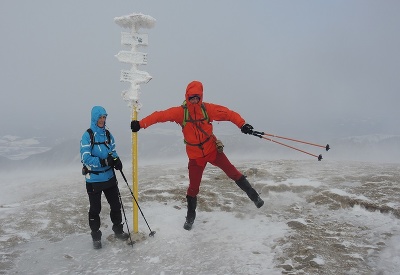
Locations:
(323, 217)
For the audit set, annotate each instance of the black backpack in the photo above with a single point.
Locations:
(92, 142)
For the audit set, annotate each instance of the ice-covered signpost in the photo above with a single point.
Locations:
(134, 39)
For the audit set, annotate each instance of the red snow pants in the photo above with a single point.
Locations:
(196, 169)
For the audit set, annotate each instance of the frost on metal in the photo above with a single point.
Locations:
(134, 39)
(135, 19)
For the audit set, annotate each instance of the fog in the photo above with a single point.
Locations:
(319, 71)
(311, 70)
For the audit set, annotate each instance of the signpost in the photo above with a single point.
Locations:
(136, 58)
(136, 77)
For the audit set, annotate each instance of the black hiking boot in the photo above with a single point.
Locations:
(96, 236)
(122, 236)
(119, 232)
(191, 212)
(258, 202)
(97, 244)
(188, 223)
(244, 184)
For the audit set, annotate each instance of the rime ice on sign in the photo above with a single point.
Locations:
(134, 40)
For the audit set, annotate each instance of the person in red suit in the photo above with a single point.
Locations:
(202, 146)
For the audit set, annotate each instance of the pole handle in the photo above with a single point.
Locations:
(257, 134)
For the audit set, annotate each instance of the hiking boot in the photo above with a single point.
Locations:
(244, 184)
(122, 236)
(119, 232)
(188, 223)
(258, 202)
(191, 212)
(96, 236)
(97, 244)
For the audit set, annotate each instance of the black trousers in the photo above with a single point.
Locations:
(111, 191)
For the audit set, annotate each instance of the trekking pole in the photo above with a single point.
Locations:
(292, 139)
(123, 211)
(151, 232)
(262, 135)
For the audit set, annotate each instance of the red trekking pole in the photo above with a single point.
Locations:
(264, 136)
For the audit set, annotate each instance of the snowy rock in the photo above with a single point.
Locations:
(297, 224)
(317, 262)
(287, 267)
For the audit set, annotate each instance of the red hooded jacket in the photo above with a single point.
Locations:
(199, 137)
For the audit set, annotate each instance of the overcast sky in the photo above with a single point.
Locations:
(296, 68)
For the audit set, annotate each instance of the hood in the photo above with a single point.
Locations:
(194, 88)
(97, 112)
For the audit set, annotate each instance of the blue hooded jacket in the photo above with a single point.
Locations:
(91, 155)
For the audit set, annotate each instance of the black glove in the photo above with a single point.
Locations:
(135, 126)
(247, 129)
(117, 164)
(109, 161)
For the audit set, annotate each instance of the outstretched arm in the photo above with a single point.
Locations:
(174, 114)
(222, 113)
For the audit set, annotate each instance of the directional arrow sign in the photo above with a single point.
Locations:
(132, 57)
(128, 39)
(135, 76)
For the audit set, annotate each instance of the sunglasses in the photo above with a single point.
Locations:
(194, 96)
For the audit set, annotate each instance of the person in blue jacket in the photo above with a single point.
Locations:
(99, 159)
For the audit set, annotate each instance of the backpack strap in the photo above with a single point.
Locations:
(85, 170)
(91, 134)
(92, 142)
(187, 117)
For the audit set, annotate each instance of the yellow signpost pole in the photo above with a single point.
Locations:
(135, 173)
